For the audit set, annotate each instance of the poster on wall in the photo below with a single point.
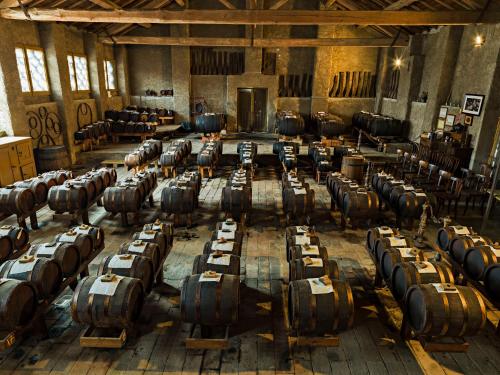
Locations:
(443, 112)
(473, 104)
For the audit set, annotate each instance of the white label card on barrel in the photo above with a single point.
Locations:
(315, 262)
(292, 178)
(170, 152)
(397, 242)
(82, 230)
(309, 250)
(247, 161)
(461, 230)
(147, 236)
(19, 267)
(65, 237)
(228, 235)
(424, 267)
(226, 247)
(137, 249)
(120, 262)
(239, 188)
(295, 184)
(419, 194)
(477, 240)
(495, 251)
(231, 225)
(299, 191)
(317, 287)
(385, 230)
(210, 279)
(105, 288)
(445, 288)
(302, 240)
(407, 252)
(222, 260)
(47, 249)
(4, 230)
(302, 229)
(408, 188)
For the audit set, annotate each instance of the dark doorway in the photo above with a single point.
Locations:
(252, 114)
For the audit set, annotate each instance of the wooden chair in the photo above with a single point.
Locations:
(421, 175)
(451, 195)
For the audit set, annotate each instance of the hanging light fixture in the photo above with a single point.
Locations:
(479, 40)
(398, 61)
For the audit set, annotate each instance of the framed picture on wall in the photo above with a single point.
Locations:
(468, 120)
(440, 124)
(443, 112)
(450, 120)
(473, 104)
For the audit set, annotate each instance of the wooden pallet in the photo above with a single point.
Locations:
(106, 340)
(115, 137)
(210, 137)
(193, 342)
(21, 219)
(169, 171)
(124, 215)
(331, 142)
(287, 138)
(315, 341)
(206, 170)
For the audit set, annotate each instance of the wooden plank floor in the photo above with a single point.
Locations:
(259, 342)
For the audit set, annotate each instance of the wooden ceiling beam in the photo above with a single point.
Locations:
(258, 17)
(108, 4)
(278, 4)
(227, 4)
(13, 3)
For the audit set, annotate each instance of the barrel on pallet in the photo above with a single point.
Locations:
(122, 199)
(217, 261)
(298, 201)
(446, 234)
(147, 249)
(308, 268)
(320, 306)
(393, 255)
(18, 235)
(66, 255)
(129, 265)
(82, 241)
(460, 245)
(16, 200)
(178, 200)
(67, 198)
(376, 233)
(116, 301)
(19, 302)
(38, 186)
(236, 200)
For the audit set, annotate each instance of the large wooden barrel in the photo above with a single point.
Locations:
(236, 200)
(376, 233)
(67, 198)
(360, 204)
(491, 280)
(60, 176)
(387, 242)
(38, 186)
(479, 258)
(166, 228)
(89, 185)
(130, 265)
(210, 299)
(406, 274)
(122, 199)
(44, 273)
(51, 158)
(227, 235)
(445, 310)
(94, 232)
(6, 247)
(66, 255)
(298, 201)
(217, 261)
(391, 256)
(108, 301)
(316, 308)
(353, 167)
(343, 186)
(177, 200)
(301, 251)
(227, 247)
(18, 301)
(156, 237)
(82, 241)
(309, 268)
(18, 235)
(16, 200)
(146, 249)
(460, 245)
(446, 234)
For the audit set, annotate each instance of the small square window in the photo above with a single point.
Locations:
(78, 73)
(32, 70)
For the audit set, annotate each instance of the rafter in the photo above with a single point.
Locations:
(227, 4)
(13, 3)
(108, 4)
(400, 4)
(278, 4)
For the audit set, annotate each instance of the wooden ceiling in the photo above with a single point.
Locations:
(390, 18)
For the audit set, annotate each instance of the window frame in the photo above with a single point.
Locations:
(25, 49)
(106, 81)
(73, 55)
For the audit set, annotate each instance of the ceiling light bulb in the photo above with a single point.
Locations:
(478, 40)
(398, 62)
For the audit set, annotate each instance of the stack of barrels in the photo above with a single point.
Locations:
(175, 154)
(478, 256)
(289, 123)
(319, 302)
(433, 305)
(93, 131)
(210, 123)
(147, 152)
(114, 298)
(13, 240)
(298, 198)
(210, 155)
(355, 203)
(210, 297)
(328, 125)
(321, 157)
(24, 197)
(236, 198)
(133, 120)
(247, 152)
(378, 125)
(130, 193)
(80, 193)
(287, 154)
(180, 196)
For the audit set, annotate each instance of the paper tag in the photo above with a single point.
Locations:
(407, 252)
(135, 248)
(296, 184)
(65, 237)
(4, 230)
(205, 279)
(397, 242)
(226, 247)
(461, 230)
(147, 236)
(419, 194)
(292, 177)
(477, 240)
(385, 230)
(226, 235)
(353, 185)
(121, 262)
(222, 260)
(247, 161)
(302, 229)
(105, 288)
(20, 267)
(408, 188)
(170, 152)
(239, 188)
(317, 287)
(229, 226)
(47, 248)
(315, 262)
(309, 250)
(302, 240)
(299, 191)
(424, 267)
(445, 288)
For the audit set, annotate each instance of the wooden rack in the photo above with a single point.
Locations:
(115, 137)
(193, 342)
(315, 341)
(21, 219)
(124, 215)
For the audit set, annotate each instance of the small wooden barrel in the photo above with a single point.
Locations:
(227, 247)
(236, 200)
(171, 158)
(353, 167)
(108, 175)
(38, 186)
(228, 235)
(82, 241)
(391, 256)
(18, 201)
(18, 303)
(166, 228)
(130, 265)
(44, 273)
(309, 268)
(155, 237)
(446, 234)
(378, 180)
(6, 247)
(376, 233)
(178, 200)
(94, 232)
(479, 258)
(410, 204)
(445, 310)
(147, 249)
(193, 176)
(50, 180)
(217, 261)
(122, 199)
(136, 183)
(298, 201)
(18, 235)
(388, 186)
(89, 185)
(51, 157)
(360, 204)
(387, 242)
(301, 251)
(134, 159)
(460, 245)
(342, 187)
(98, 181)
(206, 158)
(491, 280)
(406, 274)
(108, 301)
(317, 309)
(67, 198)
(60, 175)
(65, 254)
(214, 302)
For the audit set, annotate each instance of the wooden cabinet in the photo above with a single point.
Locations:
(16, 160)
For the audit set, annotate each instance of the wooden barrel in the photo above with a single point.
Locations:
(50, 180)
(298, 201)
(98, 181)
(227, 247)
(166, 228)
(82, 241)
(360, 204)
(228, 235)
(134, 159)
(104, 175)
(206, 158)
(147, 249)
(94, 232)
(406, 274)
(89, 185)
(66, 255)
(315, 308)
(15, 200)
(51, 158)
(309, 268)
(387, 242)
(445, 310)
(193, 176)
(446, 234)
(38, 186)
(377, 180)
(353, 167)
(391, 256)
(156, 237)
(217, 261)
(410, 204)
(171, 158)
(130, 265)
(342, 187)
(67, 198)
(60, 176)
(18, 302)
(6, 247)
(236, 200)
(180, 182)
(491, 280)
(301, 251)
(122, 199)
(309, 238)
(18, 235)
(460, 245)
(479, 258)
(108, 301)
(177, 200)
(388, 186)
(108, 175)
(44, 273)
(210, 301)
(376, 233)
